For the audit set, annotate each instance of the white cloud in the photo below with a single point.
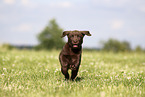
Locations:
(117, 24)
(9, 1)
(111, 3)
(22, 28)
(128, 5)
(25, 2)
(142, 9)
(29, 4)
(61, 4)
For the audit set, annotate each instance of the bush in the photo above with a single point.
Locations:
(116, 46)
(7, 46)
(139, 49)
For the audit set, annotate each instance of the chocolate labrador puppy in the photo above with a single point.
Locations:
(70, 56)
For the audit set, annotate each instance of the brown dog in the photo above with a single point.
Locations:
(70, 56)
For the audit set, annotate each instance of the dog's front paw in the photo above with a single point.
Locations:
(72, 67)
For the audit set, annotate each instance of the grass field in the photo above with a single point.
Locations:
(37, 74)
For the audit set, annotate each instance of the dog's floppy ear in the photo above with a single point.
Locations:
(64, 33)
(86, 33)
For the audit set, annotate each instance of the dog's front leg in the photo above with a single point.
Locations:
(74, 73)
(64, 66)
(64, 71)
(75, 67)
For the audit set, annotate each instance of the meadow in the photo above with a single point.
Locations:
(37, 74)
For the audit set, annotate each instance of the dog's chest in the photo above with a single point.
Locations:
(72, 59)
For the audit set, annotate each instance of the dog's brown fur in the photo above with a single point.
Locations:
(70, 56)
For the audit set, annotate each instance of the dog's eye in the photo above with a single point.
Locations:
(78, 36)
(72, 36)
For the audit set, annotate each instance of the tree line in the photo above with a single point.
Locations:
(49, 38)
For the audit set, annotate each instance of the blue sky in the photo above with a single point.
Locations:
(22, 20)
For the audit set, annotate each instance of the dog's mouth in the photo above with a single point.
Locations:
(75, 46)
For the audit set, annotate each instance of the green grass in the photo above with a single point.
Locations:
(37, 74)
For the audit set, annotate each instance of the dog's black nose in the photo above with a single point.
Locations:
(75, 41)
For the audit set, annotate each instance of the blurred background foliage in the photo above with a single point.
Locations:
(49, 38)
(116, 46)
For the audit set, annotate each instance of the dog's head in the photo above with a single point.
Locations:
(75, 38)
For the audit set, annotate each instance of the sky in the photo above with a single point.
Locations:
(22, 20)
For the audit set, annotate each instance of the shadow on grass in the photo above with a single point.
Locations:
(78, 79)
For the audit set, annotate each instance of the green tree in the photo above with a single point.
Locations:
(116, 46)
(50, 38)
(138, 49)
